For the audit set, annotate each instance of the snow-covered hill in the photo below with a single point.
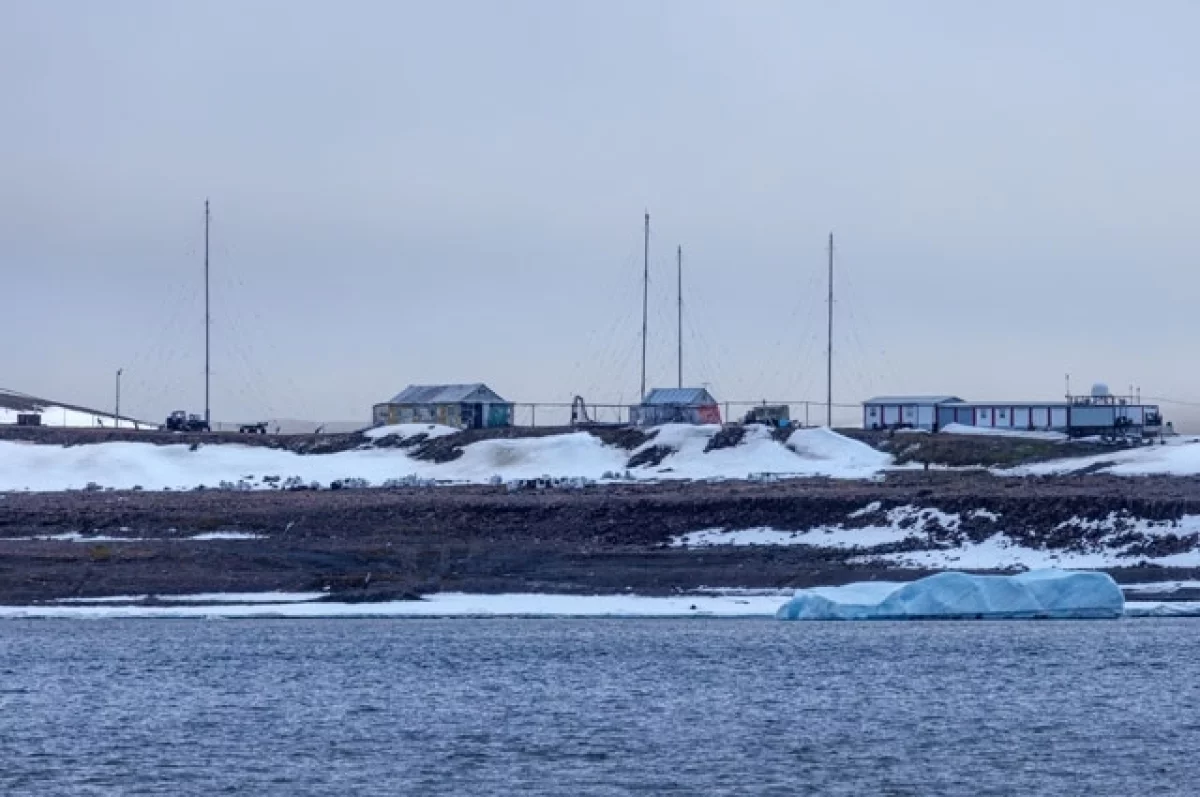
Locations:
(60, 415)
(686, 449)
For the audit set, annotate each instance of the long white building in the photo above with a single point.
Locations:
(1099, 413)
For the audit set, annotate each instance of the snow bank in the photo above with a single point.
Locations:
(125, 465)
(983, 431)
(446, 604)
(808, 452)
(1038, 594)
(1162, 609)
(407, 430)
(843, 454)
(1179, 457)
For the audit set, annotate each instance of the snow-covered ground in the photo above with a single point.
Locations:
(61, 416)
(1116, 545)
(1000, 552)
(900, 523)
(464, 605)
(126, 465)
(446, 604)
(822, 537)
(1180, 456)
(982, 431)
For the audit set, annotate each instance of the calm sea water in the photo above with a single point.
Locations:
(595, 707)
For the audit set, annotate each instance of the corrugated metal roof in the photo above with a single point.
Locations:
(913, 400)
(688, 396)
(447, 394)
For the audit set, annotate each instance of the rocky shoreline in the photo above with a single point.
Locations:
(384, 544)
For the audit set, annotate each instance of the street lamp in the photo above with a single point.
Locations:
(117, 414)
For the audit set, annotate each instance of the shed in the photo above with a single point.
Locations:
(468, 406)
(676, 405)
(910, 412)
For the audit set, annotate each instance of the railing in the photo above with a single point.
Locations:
(803, 413)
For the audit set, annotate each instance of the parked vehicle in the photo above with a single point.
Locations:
(775, 415)
(181, 421)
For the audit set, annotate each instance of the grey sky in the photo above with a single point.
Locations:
(453, 191)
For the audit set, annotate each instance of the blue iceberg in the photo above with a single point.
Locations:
(1051, 594)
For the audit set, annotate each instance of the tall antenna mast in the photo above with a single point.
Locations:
(679, 262)
(645, 300)
(207, 323)
(829, 348)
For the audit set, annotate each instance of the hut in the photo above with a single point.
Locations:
(470, 406)
(676, 405)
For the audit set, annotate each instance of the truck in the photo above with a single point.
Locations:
(181, 421)
(775, 415)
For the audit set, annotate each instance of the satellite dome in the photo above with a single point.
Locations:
(1100, 390)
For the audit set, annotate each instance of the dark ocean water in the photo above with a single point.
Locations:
(598, 707)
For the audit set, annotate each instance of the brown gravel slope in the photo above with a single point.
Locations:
(374, 544)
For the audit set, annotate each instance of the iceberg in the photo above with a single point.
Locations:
(1050, 594)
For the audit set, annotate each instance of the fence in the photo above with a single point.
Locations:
(803, 413)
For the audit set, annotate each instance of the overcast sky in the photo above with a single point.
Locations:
(453, 191)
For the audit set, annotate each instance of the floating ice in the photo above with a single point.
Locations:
(1057, 594)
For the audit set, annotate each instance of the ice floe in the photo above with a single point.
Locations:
(1037, 594)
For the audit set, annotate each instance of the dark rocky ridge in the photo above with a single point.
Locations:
(381, 543)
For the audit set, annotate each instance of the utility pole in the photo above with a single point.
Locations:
(117, 412)
(679, 262)
(829, 348)
(645, 300)
(207, 324)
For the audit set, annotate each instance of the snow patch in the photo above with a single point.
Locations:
(227, 535)
(823, 537)
(1180, 456)
(1161, 587)
(1000, 552)
(870, 508)
(406, 430)
(903, 522)
(982, 431)
(75, 536)
(1124, 522)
